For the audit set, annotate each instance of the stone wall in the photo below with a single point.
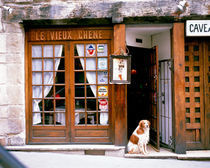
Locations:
(12, 91)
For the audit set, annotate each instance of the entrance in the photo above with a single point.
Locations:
(68, 92)
(197, 88)
(143, 91)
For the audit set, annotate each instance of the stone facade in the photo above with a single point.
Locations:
(13, 12)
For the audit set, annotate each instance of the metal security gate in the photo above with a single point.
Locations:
(165, 103)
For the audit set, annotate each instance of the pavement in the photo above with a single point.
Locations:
(60, 160)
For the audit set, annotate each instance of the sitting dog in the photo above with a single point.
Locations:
(139, 138)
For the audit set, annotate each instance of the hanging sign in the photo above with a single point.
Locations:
(120, 66)
(102, 91)
(103, 105)
(198, 28)
(91, 50)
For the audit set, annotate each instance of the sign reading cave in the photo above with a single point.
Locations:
(68, 34)
(198, 28)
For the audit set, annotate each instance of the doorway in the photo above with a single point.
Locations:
(143, 91)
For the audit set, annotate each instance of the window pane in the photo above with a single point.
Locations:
(79, 50)
(91, 90)
(59, 51)
(91, 118)
(48, 78)
(102, 63)
(37, 65)
(48, 64)
(59, 91)
(36, 51)
(103, 105)
(60, 78)
(79, 91)
(102, 50)
(48, 105)
(37, 118)
(79, 118)
(91, 77)
(91, 104)
(48, 51)
(103, 77)
(37, 92)
(103, 118)
(79, 77)
(60, 119)
(90, 50)
(59, 104)
(79, 63)
(37, 105)
(61, 65)
(90, 64)
(48, 118)
(37, 78)
(49, 90)
(79, 105)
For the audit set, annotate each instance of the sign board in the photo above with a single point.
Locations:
(120, 69)
(198, 28)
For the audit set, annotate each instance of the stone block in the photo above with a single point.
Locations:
(15, 126)
(15, 94)
(3, 96)
(16, 111)
(118, 153)
(3, 112)
(2, 58)
(15, 58)
(16, 140)
(15, 42)
(2, 43)
(3, 74)
(3, 141)
(15, 74)
(3, 126)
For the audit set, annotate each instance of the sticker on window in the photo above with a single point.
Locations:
(90, 50)
(100, 48)
(103, 105)
(102, 63)
(102, 91)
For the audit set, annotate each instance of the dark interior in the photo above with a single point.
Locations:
(138, 90)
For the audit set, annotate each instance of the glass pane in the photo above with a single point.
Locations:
(60, 78)
(196, 58)
(186, 69)
(187, 89)
(103, 77)
(197, 120)
(187, 110)
(79, 77)
(91, 90)
(48, 118)
(187, 120)
(60, 119)
(91, 118)
(91, 104)
(79, 50)
(102, 50)
(186, 48)
(196, 68)
(187, 99)
(103, 118)
(59, 51)
(79, 118)
(37, 65)
(196, 48)
(80, 105)
(90, 50)
(37, 105)
(59, 64)
(79, 63)
(197, 99)
(187, 79)
(36, 51)
(79, 91)
(35, 116)
(49, 90)
(37, 78)
(48, 51)
(197, 89)
(102, 63)
(48, 78)
(59, 104)
(103, 105)
(90, 64)
(197, 109)
(48, 105)
(48, 64)
(37, 92)
(196, 79)
(59, 91)
(186, 58)
(91, 77)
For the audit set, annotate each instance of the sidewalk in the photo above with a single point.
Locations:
(111, 150)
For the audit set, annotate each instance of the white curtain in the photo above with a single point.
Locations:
(91, 77)
(48, 76)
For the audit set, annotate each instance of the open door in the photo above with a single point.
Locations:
(153, 96)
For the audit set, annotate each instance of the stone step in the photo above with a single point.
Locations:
(107, 150)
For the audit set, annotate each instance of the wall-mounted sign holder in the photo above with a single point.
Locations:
(120, 69)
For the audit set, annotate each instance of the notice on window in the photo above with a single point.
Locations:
(102, 91)
(119, 69)
(102, 63)
(103, 104)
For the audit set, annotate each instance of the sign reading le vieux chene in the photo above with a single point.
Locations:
(198, 28)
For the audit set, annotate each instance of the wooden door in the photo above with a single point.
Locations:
(197, 61)
(153, 96)
(89, 96)
(207, 92)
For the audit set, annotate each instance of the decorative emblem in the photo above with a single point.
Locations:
(91, 50)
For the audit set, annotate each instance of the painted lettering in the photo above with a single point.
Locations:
(69, 35)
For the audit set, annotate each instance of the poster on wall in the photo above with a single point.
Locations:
(120, 67)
